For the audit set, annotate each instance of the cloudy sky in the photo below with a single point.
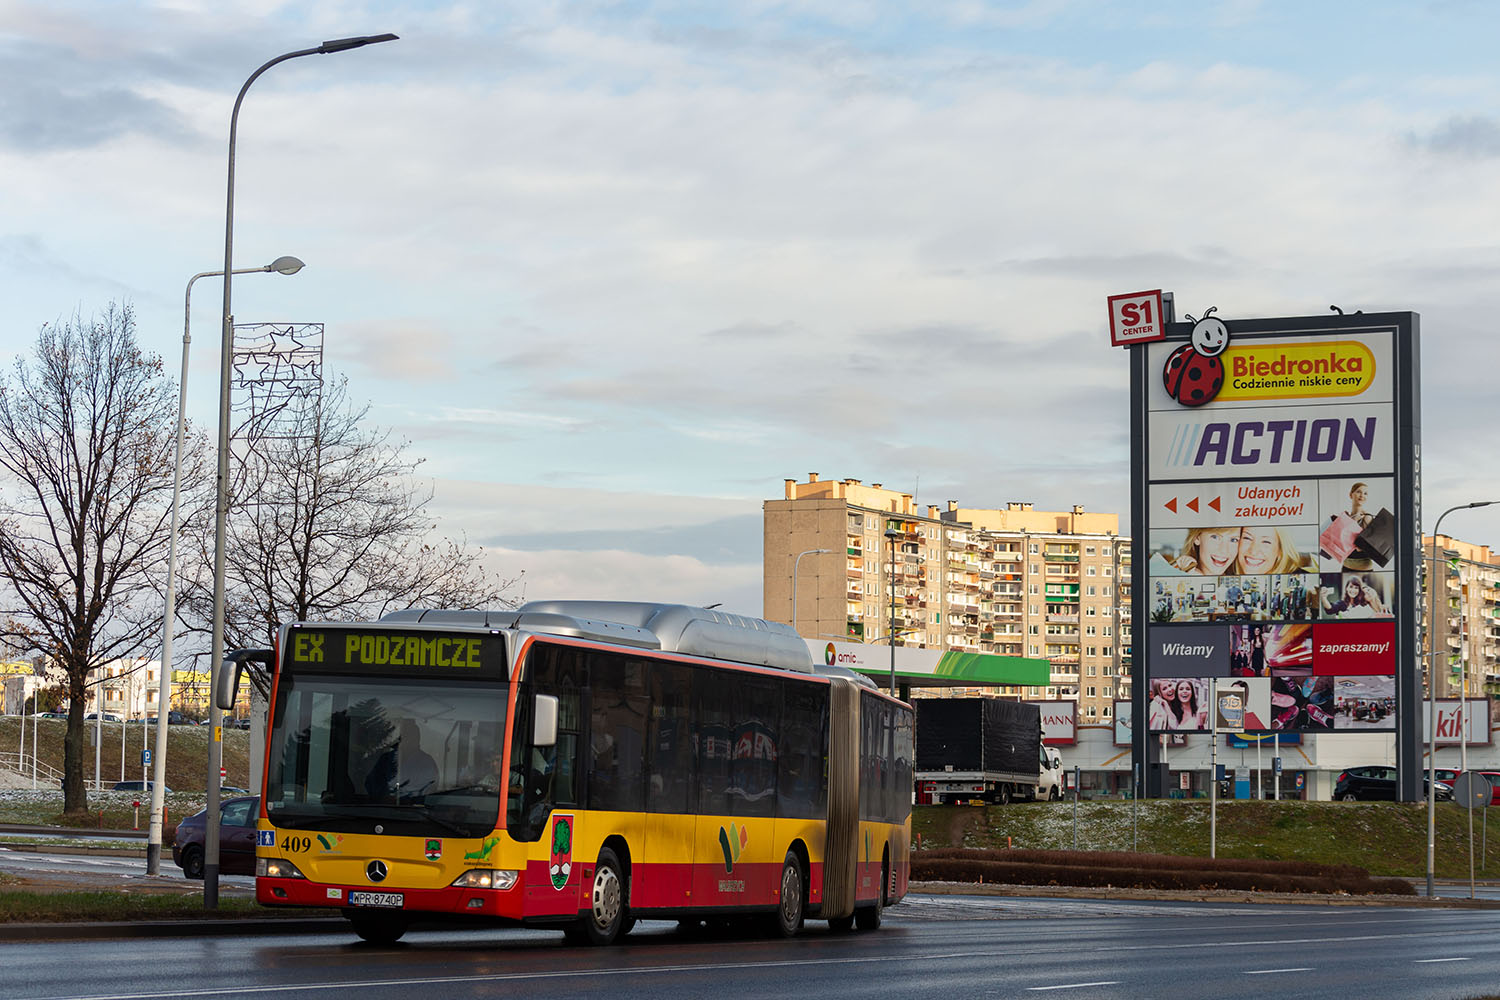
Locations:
(616, 270)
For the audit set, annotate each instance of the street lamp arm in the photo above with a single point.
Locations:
(221, 487)
(344, 44)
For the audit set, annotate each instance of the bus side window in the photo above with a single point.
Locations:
(799, 752)
(671, 774)
(617, 733)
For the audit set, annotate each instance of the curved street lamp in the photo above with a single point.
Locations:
(281, 265)
(1463, 735)
(221, 504)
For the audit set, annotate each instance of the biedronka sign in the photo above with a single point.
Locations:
(1276, 523)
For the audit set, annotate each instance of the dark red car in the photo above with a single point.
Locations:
(236, 838)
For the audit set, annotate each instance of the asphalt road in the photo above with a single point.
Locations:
(945, 947)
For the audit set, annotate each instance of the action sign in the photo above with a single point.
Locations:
(1135, 318)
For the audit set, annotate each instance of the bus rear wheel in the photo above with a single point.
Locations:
(606, 914)
(869, 918)
(787, 921)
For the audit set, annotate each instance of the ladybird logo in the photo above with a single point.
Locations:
(1194, 373)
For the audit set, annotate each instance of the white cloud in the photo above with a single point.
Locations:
(620, 263)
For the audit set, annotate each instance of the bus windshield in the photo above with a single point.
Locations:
(386, 755)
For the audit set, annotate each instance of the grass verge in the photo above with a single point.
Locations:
(26, 906)
(1384, 838)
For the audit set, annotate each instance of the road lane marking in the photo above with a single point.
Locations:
(1072, 986)
(1428, 961)
(1269, 972)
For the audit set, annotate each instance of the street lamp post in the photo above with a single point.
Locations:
(281, 265)
(892, 534)
(221, 505)
(796, 565)
(1432, 704)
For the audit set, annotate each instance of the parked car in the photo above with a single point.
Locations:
(108, 717)
(225, 791)
(237, 818)
(1377, 783)
(138, 786)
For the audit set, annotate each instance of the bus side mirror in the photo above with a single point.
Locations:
(544, 729)
(230, 670)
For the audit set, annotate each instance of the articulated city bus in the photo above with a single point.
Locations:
(579, 765)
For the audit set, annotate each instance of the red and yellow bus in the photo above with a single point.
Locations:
(579, 765)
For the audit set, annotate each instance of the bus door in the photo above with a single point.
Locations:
(543, 804)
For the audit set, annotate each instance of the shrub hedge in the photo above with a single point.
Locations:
(1100, 869)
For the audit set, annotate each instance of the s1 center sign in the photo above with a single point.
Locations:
(1276, 523)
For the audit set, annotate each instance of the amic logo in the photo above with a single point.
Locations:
(830, 654)
(1194, 373)
(561, 862)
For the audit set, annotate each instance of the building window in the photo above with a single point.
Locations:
(1032, 630)
(1092, 571)
(1108, 631)
(1106, 588)
(1034, 589)
(1089, 611)
(1034, 549)
(1032, 649)
(1108, 571)
(1104, 551)
(1093, 693)
(1088, 550)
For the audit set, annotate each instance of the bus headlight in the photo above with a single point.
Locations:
(276, 868)
(487, 878)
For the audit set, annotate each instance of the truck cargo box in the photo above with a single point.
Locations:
(988, 735)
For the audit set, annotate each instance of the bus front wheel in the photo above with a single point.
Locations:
(788, 918)
(606, 915)
(376, 928)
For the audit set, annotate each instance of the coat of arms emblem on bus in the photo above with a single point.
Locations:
(732, 841)
(562, 851)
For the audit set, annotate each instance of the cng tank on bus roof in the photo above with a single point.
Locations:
(549, 623)
(680, 628)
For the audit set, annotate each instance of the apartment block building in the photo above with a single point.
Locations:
(1466, 624)
(845, 560)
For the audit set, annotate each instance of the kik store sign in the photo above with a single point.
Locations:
(1276, 510)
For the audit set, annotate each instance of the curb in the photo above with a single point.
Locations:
(1190, 896)
(172, 928)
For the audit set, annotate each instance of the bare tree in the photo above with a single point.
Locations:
(328, 523)
(86, 443)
